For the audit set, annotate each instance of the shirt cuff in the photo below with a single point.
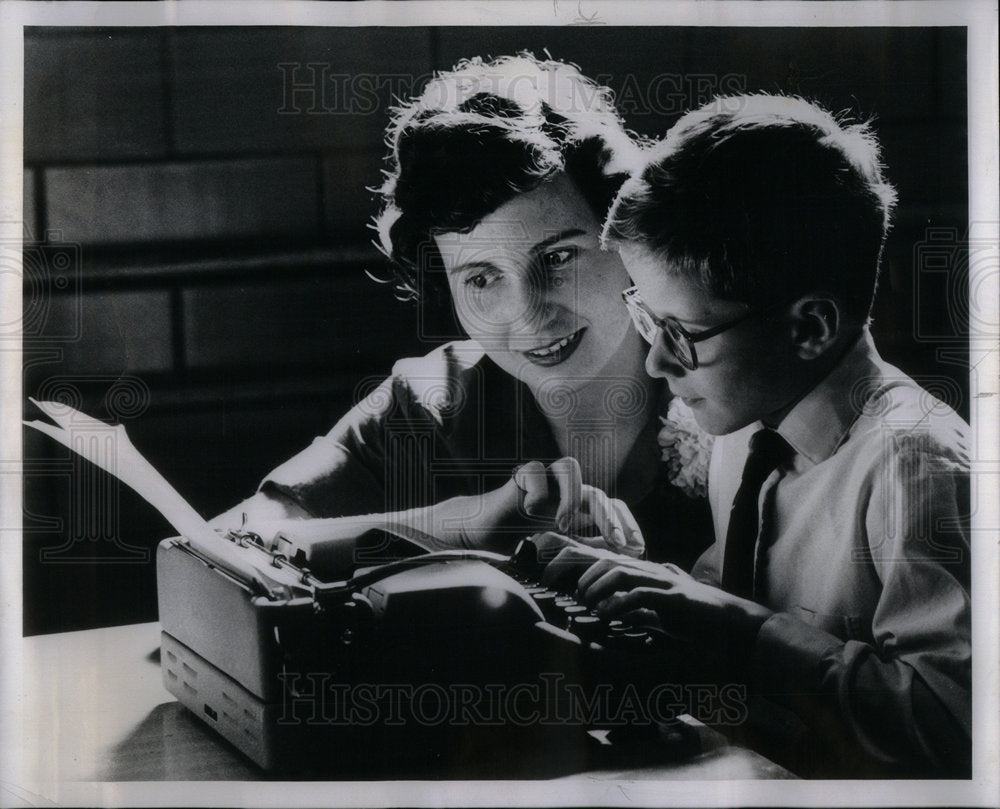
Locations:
(787, 657)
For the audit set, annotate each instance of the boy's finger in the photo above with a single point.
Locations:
(614, 578)
(566, 568)
(598, 569)
(639, 598)
(622, 577)
(548, 545)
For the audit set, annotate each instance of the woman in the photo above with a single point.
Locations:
(499, 178)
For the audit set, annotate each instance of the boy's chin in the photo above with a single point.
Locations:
(710, 425)
(717, 423)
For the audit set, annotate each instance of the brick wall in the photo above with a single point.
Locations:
(206, 191)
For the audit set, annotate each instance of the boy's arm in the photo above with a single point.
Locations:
(905, 699)
(901, 703)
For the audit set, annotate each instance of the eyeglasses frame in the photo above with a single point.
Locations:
(633, 301)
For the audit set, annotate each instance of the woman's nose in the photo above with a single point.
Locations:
(660, 360)
(528, 306)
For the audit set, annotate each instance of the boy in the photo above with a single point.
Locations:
(837, 587)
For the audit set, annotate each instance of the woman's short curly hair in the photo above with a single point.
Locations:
(479, 135)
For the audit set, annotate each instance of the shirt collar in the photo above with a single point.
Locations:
(821, 419)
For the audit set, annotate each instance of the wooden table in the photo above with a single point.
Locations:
(99, 712)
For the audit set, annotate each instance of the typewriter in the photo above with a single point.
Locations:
(446, 664)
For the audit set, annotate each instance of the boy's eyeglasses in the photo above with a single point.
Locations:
(678, 339)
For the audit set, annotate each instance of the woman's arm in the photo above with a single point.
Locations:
(260, 508)
(536, 498)
(382, 456)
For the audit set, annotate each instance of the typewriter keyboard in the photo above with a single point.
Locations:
(565, 612)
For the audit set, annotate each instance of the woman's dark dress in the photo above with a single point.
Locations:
(453, 423)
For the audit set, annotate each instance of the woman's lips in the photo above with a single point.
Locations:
(555, 352)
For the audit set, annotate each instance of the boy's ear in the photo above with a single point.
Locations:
(816, 323)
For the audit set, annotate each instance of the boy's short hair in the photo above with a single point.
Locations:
(479, 135)
(761, 199)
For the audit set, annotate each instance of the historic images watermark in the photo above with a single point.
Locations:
(316, 699)
(316, 88)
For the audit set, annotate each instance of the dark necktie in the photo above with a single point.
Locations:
(767, 451)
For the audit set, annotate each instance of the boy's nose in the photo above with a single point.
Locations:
(661, 362)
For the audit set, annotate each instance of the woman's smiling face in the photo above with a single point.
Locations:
(531, 284)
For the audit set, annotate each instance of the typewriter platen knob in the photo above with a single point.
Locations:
(525, 559)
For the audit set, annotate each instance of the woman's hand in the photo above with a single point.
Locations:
(537, 498)
(558, 494)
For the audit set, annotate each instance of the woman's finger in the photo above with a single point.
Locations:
(598, 512)
(613, 529)
(595, 542)
(532, 479)
(635, 544)
(569, 481)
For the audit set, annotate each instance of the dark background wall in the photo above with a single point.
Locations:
(196, 241)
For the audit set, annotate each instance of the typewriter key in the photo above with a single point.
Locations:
(572, 612)
(546, 602)
(635, 640)
(587, 627)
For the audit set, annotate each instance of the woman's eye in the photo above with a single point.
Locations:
(479, 280)
(555, 259)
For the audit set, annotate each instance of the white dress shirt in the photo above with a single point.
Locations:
(863, 555)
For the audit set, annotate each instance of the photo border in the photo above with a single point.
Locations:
(16, 730)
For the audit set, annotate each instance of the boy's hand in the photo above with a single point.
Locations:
(569, 559)
(719, 626)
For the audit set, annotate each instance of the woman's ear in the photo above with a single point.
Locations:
(816, 323)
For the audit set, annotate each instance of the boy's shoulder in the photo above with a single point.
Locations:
(906, 418)
(866, 410)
